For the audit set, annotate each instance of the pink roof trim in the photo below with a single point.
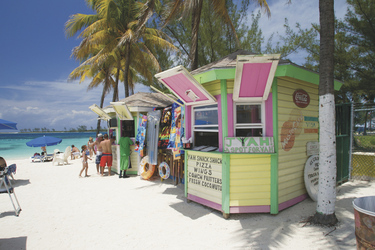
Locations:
(179, 84)
(254, 79)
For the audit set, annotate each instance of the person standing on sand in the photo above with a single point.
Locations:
(90, 145)
(98, 151)
(85, 164)
(106, 159)
(125, 143)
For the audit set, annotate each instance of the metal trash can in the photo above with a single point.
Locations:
(364, 215)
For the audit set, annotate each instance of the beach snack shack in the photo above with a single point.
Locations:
(250, 118)
(123, 118)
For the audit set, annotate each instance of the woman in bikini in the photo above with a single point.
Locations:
(85, 164)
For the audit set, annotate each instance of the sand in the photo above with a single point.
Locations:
(62, 211)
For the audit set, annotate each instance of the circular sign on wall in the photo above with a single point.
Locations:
(311, 176)
(301, 98)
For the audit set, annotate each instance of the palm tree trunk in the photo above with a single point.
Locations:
(101, 106)
(126, 69)
(325, 212)
(115, 89)
(194, 34)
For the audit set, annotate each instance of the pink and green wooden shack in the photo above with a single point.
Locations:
(249, 118)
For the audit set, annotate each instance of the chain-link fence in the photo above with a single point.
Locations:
(363, 142)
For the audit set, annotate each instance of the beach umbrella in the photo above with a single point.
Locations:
(43, 141)
(4, 124)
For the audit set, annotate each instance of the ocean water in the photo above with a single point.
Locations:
(13, 146)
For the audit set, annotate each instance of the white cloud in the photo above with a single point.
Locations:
(50, 104)
(53, 104)
(32, 108)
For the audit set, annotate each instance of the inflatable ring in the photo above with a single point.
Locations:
(146, 173)
(142, 165)
(167, 170)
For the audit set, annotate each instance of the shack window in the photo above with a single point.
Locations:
(249, 119)
(206, 126)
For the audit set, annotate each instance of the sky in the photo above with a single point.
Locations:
(35, 60)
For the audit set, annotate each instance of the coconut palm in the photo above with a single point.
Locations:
(116, 27)
(99, 74)
(193, 8)
(325, 212)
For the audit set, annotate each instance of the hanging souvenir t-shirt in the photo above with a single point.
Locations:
(175, 137)
(165, 128)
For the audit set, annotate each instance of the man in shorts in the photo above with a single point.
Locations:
(106, 159)
(98, 151)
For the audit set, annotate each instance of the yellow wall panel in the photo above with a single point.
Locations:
(252, 162)
(247, 188)
(249, 196)
(250, 202)
(246, 182)
(256, 168)
(250, 179)
(213, 87)
(249, 175)
(290, 170)
(296, 183)
(230, 86)
(296, 127)
(288, 177)
(291, 195)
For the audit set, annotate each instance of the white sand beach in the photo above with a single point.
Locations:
(62, 211)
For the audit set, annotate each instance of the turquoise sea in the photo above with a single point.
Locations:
(13, 146)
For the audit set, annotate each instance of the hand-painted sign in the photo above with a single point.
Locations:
(297, 124)
(311, 176)
(204, 172)
(249, 145)
(301, 98)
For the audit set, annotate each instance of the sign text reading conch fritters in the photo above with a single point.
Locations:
(249, 145)
(205, 171)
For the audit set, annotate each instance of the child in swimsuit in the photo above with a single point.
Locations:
(85, 164)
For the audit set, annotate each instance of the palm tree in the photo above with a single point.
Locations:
(99, 74)
(325, 212)
(116, 27)
(193, 8)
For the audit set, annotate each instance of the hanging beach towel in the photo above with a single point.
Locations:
(141, 134)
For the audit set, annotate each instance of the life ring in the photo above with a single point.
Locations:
(146, 173)
(167, 170)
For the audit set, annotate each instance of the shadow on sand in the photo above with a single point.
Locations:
(13, 243)
(20, 182)
(285, 223)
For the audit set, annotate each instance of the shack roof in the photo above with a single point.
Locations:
(286, 69)
(229, 61)
(143, 99)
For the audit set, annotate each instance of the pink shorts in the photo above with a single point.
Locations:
(106, 159)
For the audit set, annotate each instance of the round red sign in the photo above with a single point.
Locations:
(301, 98)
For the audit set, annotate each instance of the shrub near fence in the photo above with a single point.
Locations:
(364, 143)
(363, 148)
